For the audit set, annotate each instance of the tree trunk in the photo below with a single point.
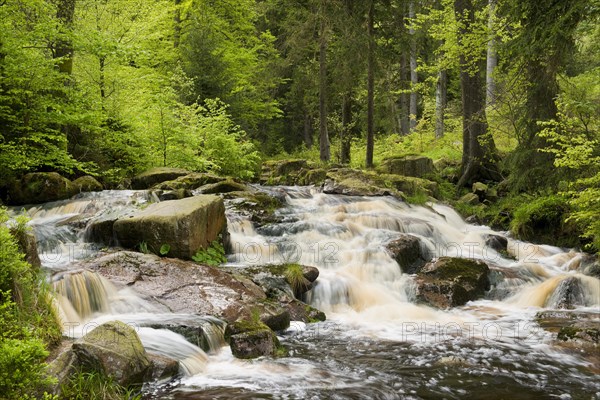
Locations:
(404, 96)
(414, 78)
(440, 103)
(492, 57)
(370, 87)
(324, 145)
(479, 160)
(345, 135)
(63, 47)
(308, 131)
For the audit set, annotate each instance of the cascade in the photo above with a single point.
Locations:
(378, 341)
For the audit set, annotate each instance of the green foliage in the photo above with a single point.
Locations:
(542, 216)
(295, 277)
(95, 386)
(143, 246)
(27, 321)
(164, 249)
(214, 255)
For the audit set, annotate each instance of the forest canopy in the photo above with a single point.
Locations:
(508, 89)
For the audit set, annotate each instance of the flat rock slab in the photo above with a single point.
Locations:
(185, 225)
(181, 286)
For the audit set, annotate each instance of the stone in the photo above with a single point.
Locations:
(175, 194)
(87, 184)
(568, 295)
(163, 367)
(101, 231)
(417, 166)
(62, 368)
(470, 198)
(181, 287)
(491, 194)
(406, 250)
(151, 177)
(496, 242)
(223, 187)
(480, 189)
(190, 181)
(114, 349)
(253, 344)
(450, 282)
(40, 187)
(585, 332)
(186, 225)
(28, 246)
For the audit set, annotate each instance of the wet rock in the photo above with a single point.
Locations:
(470, 198)
(87, 184)
(417, 166)
(175, 194)
(114, 349)
(555, 320)
(40, 187)
(28, 246)
(203, 331)
(223, 187)
(300, 311)
(151, 177)
(101, 231)
(253, 344)
(496, 242)
(450, 282)
(182, 286)
(568, 295)
(186, 225)
(585, 332)
(190, 181)
(406, 250)
(163, 367)
(260, 206)
(276, 317)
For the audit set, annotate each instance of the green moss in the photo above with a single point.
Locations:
(568, 333)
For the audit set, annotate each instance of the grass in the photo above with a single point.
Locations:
(95, 386)
(295, 277)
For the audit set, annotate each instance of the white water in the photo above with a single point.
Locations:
(369, 302)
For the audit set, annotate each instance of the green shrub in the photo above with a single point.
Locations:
(27, 321)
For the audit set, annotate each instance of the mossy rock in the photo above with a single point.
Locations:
(450, 282)
(41, 187)
(190, 181)
(225, 186)
(251, 339)
(417, 166)
(586, 332)
(542, 220)
(114, 349)
(406, 251)
(88, 184)
(314, 177)
(151, 177)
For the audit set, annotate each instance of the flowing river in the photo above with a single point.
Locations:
(377, 342)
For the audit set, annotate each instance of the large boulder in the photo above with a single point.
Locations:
(417, 166)
(87, 184)
(190, 181)
(185, 225)
(569, 294)
(41, 187)
(182, 287)
(151, 177)
(406, 250)
(450, 282)
(114, 349)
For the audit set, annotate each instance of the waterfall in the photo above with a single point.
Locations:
(378, 341)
